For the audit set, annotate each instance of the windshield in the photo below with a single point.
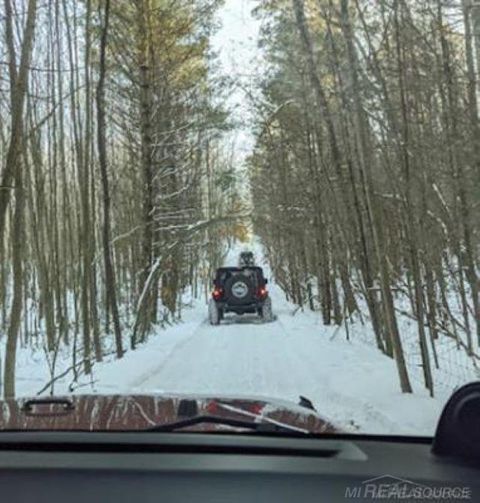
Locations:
(271, 206)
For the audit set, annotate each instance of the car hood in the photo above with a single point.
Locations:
(140, 412)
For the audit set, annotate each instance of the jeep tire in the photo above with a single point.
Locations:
(266, 310)
(214, 313)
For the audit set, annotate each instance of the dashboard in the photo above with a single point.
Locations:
(185, 467)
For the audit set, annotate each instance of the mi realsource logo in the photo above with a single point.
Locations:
(387, 487)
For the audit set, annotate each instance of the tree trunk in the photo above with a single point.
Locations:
(110, 283)
(18, 88)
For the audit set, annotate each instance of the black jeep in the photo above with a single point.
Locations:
(239, 290)
(246, 258)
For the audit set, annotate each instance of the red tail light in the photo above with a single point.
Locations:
(262, 292)
(217, 293)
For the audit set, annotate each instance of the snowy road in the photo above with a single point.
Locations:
(226, 358)
(349, 381)
(242, 355)
(351, 384)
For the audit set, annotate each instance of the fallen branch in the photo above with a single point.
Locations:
(56, 378)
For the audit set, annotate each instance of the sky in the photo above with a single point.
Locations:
(239, 57)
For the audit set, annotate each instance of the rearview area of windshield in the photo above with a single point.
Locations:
(253, 215)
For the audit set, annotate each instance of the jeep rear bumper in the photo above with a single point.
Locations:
(240, 308)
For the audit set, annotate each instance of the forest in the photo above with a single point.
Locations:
(366, 170)
(112, 175)
(119, 191)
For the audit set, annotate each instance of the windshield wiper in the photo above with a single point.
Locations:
(260, 427)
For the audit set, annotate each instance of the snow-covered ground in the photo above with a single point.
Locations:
(349, 381)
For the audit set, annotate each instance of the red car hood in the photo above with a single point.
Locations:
(140, 412)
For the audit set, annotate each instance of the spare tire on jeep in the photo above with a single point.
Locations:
(239, 289)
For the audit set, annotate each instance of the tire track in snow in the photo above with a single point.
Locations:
(143, 378)
(229, 358)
